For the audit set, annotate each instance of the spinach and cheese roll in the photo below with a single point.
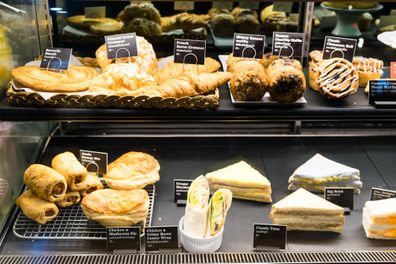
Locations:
(68, 165)
(45, 182)
(36, 209)
(218, 208)
(196, 215)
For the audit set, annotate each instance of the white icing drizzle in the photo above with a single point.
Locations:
(370, 65)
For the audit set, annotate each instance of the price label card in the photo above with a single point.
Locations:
(341, 196)
(123, 238)
(268, 237)
(335, 47)
(223, 4)
(94, 161)
(161, 238)
(95, 12)
(287, 44)
(379, 194)
(121, 46)
(248, 45)
(189, 51)
(283, 7)
(184, 5)
(382, 92)
(393, 70)
(249, 4)
(56, 59)
(180, 188)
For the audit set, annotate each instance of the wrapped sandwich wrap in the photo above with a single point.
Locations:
(218, 209)
(45, 182)
(36, 209)
(196, 215)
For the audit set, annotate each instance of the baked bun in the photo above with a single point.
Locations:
(223, 25)
(140, 10)
(247, 24)
(144, 27)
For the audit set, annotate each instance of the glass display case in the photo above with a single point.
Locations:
(147, 115)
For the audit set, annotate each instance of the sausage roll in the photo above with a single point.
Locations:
(71, 198)
(68, 165)
(91, 183)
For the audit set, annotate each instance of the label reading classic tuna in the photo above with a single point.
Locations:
(269, 237)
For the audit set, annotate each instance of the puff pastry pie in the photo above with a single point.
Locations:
(91, 184)
(146, 58)
(70, 198)
(36, 209)
(133, 170)
(116, 207)
(45, 182)
(75, 79)
(67, 164)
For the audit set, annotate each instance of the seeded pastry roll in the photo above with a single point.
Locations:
(68, 165)
(45, 182)
(71, 198)
(36, 209)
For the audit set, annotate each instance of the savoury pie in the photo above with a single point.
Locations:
(133, 170)
(115, 207)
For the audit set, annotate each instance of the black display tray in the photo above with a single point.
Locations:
(276, 157)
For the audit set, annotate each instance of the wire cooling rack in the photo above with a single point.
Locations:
(69, 224)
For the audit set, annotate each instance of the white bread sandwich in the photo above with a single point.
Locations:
(379, 219)
(305, 211)
(243, 181)
(320, 172)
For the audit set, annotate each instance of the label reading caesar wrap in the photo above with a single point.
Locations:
(269, 237)
(248, 45)
(341, 196)
(161, 238)
(287, 44)
(94, 161)
(336, 47)
(189, 51)
(95, 12)
(121, 46)
(119, 238)
(382, 92)
(380, 194)
(56, 59)
(180, 188)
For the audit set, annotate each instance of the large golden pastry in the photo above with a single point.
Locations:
(368, 69)
(286, 80)
(169, 23)
(172, 69)
(71, 198)
(45, 182)
(75, 79)
(133, 170)
(337, 78)
(91, 184)
(140, 10)
(146, 58)
(74, 172)
(116, 207)
(37, 209)
(187, 84)
(121, 79)
(82, 21)
(107, 27)
(249, 81)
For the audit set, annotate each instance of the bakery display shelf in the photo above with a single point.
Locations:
(69, 224)
(277, 158)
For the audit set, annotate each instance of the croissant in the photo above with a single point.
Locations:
(172, 69)
(186, 85)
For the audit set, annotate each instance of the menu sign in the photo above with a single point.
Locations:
(180, 188)
(56, 59)
(248, 46)
(94, 161)
(161, 237)
(341, 196)
(267, 236)
(382, 92)
(123, 238)
(189, 51)
(336, 47)
(379, 194)
(287, 44)
(121, 46)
